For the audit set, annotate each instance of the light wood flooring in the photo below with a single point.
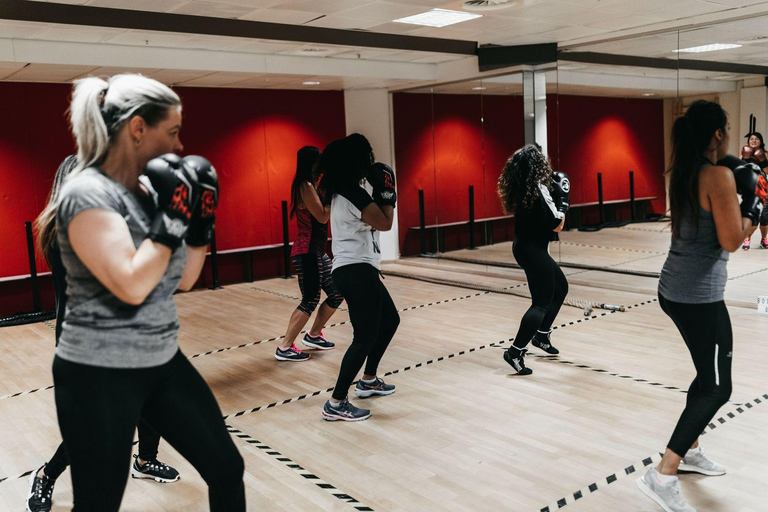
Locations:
(461, 433)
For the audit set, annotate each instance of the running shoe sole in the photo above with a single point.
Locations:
(367, 394)
(331, 417)
(281, 358)
(696, 469)
(318, 347)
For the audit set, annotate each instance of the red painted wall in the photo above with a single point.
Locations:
(251, 136)
(442, 146)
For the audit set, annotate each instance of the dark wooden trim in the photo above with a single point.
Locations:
(662, 63)
(496, 57)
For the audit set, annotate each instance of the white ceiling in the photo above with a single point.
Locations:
(566, 22)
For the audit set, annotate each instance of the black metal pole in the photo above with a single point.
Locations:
(632, 194)
(600, 195)
(33, 268)
(214, 262)
(286, 242)
(471, 217)
(422, 224)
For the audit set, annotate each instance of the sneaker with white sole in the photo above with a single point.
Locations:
(40, 492)
(747, 243)
(667, 495)
(154, 470)
(291, 354)
(318, 342)
(697, 461)
(345, 411)
(376, 388)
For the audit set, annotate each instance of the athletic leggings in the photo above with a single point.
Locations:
(149, 441)
(547, 284)
(706, 329)
(374, 320)
(315, 273)
(98, 409)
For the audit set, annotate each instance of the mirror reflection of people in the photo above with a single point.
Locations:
(754, 151)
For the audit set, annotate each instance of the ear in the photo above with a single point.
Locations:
(137, 125)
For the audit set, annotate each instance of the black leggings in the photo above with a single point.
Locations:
(98, 409)
(149, 441)
(374, 320)
(547, 284)
(706, 329)
(314, 272)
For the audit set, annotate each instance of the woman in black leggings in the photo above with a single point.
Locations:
(349, 173)
(127, 246)
(539, 198)
(707, 223)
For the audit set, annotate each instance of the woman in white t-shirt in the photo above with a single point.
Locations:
(349, 177)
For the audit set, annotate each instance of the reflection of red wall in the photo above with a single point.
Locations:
(586, 135)
(251, 136)
(612, 136)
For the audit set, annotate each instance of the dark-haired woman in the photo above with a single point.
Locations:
(539, 198)
(349, 178)
(311, 262)
(706, 225)
(754, 151)
(127, 246)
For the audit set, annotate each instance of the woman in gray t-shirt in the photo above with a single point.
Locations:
(707, 223)
(122, 244)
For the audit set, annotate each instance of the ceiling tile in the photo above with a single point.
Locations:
(282, 16)
(385, 11)
(140, 5)
(49, 73)
(342, 22)
(20, 29)
(213, 9)
(148, 38)
(322, 6)
(78, 33)
(220, 79)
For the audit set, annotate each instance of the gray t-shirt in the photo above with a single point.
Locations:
(99, 329)
(353, 241)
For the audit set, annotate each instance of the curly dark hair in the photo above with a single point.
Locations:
(344, 163)
(521, 176)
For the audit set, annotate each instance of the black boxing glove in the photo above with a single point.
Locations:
(356, 195)
(731, 162)
(382, 179)
(203, 220)
(177, 195)
(561, 191)
(748, 185)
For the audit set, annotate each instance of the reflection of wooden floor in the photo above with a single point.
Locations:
(460, 433)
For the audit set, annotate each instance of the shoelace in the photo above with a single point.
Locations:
(39, 490)
(293, 348)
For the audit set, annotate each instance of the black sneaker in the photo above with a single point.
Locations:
(344, 412)
(318, 342)
(377, 387)
(40, 492)
(291, 354)
(516, 359)
(541, 340)
(154, 470)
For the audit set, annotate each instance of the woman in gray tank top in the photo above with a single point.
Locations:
(707, 223)
(122, 242)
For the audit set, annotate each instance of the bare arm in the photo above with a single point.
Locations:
(720, 188)
(314, 205)
(193, 267)
(560, 226)
(378, 217)
(102, 241)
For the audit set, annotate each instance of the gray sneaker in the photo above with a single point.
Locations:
(345, 411)
(668, 495)
(699, 463)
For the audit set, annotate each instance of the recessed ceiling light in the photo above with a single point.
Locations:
(310, 83)
(649, 94)
(708, 48)
(478, 88)
(438, 18)
(541, 98)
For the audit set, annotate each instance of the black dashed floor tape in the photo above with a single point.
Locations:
(653, 459)
(259, 342)
(747, 274)
(655, 253)
(284, 295)
(346, 498)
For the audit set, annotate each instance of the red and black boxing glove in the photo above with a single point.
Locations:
(202, 224)
(746, 152)
(177, 192)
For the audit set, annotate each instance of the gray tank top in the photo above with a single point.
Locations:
(695, 271)
(99, 329)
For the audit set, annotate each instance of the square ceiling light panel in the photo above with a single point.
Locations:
(438, 18)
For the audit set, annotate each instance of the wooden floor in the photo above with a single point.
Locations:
(461, 433)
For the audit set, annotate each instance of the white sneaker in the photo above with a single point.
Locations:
(667, 495)
(697, 461)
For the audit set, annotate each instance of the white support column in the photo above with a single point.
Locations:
(369, 111)
(535, 108)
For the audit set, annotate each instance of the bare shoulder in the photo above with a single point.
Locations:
(717, 178)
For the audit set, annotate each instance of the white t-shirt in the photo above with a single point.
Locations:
(354, 241)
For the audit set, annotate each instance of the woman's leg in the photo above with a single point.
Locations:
(185, 413)
(539, 270)
(333, 297)
(389, 320)
(98, 409)
(309, 284)
(542, 337)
